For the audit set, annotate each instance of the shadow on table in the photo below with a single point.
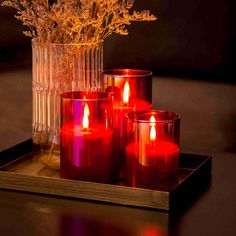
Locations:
(184, 202)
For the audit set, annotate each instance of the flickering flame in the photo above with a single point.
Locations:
(152, 120)
(153, 134)
(85, 118)
(153, 129)
(86, 110)
(126, 93)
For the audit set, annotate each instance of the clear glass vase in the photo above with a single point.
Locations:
(59, 68)
(40, 92)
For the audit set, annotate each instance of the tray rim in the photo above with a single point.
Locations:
(122, 195)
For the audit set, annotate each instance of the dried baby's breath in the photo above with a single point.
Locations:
(73, 21)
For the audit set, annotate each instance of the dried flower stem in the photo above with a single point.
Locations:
(76, 21)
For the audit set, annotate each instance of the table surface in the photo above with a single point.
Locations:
(210, 212)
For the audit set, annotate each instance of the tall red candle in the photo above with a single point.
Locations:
(131, 90)
(86, 137)
(120, 109)
(152, 152)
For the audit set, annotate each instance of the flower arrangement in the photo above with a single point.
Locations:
(76, 21)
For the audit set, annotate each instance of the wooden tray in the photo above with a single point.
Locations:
(20, 170)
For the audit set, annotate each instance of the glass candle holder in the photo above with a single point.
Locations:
(131, 90)
(152, 152)
(86, 136)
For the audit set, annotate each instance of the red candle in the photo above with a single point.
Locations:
(152, 159)
(131, 90)
(149, 168)
(86, 150)
(120, 109)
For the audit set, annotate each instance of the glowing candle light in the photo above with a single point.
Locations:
(131, 90)
(86, 138)
(126, 93)
(121, 108)
(85, 118)
(153, 132)
(152, 154)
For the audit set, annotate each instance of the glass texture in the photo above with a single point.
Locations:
(86, 136)
(138, 85)
(59, 68)
(152, 151)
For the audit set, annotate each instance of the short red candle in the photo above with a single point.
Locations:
(152, 159)
(86, 152)
(131, 90)
(158, 164)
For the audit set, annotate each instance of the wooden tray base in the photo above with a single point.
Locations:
(21, 170)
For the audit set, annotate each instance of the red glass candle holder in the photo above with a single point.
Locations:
(86, 136)
(152, 152)
(131, 90)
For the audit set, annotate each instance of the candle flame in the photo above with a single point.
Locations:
(152, 120)
(153, 129)
(86, 110)
(85, 118)
(153, 134)
(126, 93)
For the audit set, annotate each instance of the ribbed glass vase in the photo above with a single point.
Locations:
(40, 92)
(59, 68)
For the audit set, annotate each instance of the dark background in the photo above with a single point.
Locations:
(190, 38)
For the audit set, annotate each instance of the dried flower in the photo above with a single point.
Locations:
(76, 21)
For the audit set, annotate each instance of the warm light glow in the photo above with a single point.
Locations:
(152, 120)
(86, 110)
(126, 93)
(153, 134)
(153, 129)
(85, 118)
